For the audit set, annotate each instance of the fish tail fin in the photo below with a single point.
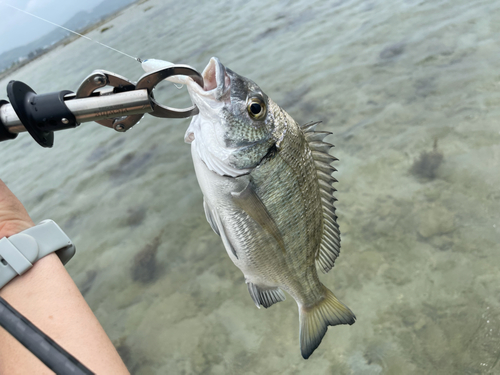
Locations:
(315, 319)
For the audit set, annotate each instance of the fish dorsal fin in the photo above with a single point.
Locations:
(330, 241)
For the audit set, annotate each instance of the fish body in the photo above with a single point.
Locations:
(267, 191)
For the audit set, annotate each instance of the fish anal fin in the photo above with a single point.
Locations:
(265, 296)
(314, 321)
(249, 201)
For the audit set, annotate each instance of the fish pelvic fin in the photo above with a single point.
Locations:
(265, 296)
(314, 321)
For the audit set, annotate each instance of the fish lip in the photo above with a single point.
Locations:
(216, 81)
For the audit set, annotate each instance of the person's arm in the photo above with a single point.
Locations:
(49, 298)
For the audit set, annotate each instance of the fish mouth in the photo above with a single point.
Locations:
(216, 81)
(209, 98)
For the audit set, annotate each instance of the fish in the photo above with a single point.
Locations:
(267, 192)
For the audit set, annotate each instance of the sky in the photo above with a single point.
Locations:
(18, 28)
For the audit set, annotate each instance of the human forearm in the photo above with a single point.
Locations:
(49, 298)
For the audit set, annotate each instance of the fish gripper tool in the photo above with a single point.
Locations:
(104, 97)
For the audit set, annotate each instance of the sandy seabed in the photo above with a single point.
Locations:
(410, 91)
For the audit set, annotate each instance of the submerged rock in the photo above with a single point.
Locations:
(435, 220)
(427, 164)
(393, 50)
(145, 267)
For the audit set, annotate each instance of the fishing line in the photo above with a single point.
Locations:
(74, 32)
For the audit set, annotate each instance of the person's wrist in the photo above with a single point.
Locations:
(13, 216)
(11, 227)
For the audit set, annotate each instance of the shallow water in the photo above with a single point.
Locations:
(411, 92)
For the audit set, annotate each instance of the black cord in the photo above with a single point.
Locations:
(38, 343)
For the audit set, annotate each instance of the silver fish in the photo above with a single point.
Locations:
(267, 190)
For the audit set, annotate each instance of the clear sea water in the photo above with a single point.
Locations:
(410, 90)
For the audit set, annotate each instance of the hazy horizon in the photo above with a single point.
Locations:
(18, 28)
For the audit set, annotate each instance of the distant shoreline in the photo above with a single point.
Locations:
(69, 39)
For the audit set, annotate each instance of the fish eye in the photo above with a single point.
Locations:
(256, 109)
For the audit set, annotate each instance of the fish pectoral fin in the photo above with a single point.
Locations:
(265, 296)
(315, 319)
(210, 219)
(215, 222)
(249, 201)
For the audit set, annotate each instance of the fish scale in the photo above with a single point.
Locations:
(267, 189)
(299, 189)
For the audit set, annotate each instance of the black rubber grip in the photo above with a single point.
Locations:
(41, 114)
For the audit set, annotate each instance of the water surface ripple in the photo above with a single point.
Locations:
(410, 90)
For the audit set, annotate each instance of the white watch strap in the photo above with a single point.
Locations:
(20, 251)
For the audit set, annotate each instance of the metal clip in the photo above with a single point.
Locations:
(101, 78)
(120, 106)
(151, 79)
